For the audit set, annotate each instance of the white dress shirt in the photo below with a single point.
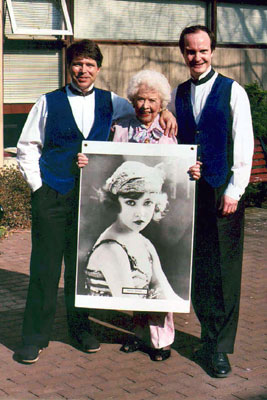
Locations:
(31, 141)
(242, 130)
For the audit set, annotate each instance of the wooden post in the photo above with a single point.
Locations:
(1, 88)
(214, 17)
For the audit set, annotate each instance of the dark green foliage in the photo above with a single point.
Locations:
(256, 195)
(256, 192)
(258, 103)
(15, 199)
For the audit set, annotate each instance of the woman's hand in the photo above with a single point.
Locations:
(168, 122)
(195, 171)
(82, 160)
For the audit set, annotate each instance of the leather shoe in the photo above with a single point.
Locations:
(87, 342)
(220, 365)
(28, 354)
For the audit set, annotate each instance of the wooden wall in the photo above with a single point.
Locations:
(122, 61)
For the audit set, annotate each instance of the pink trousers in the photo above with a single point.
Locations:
(156, 329)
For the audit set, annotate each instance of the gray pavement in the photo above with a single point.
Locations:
(64, 372)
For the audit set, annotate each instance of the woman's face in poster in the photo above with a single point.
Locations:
(136, 214)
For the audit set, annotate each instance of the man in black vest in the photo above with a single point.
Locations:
(47, 157)
(213, 111)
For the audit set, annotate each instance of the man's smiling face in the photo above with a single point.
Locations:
(83, 72)
(197, 53)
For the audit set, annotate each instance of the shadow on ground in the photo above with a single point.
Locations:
(109, 326)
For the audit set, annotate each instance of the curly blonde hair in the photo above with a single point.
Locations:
(131, 180)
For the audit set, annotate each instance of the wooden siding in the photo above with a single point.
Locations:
(122, 61)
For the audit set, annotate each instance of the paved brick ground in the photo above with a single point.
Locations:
(63, 372)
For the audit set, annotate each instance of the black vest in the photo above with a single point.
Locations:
(63, 138)
(213, 133)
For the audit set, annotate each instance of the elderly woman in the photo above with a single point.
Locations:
(149, 92)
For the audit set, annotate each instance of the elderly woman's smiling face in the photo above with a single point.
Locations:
(147, 104)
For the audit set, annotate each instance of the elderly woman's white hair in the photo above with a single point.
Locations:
(153, 80)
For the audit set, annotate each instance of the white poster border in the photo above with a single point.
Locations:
(186, 156)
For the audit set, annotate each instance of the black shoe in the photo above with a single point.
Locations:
(87, 342)
(132, 345)
(29, 353)
(160, 354)
(220, 365)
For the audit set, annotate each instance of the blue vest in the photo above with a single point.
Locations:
(63, 138)
(213, 133)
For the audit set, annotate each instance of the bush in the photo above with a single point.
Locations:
(256, 195)
(258, 104)
(256, 192)
(15, 199)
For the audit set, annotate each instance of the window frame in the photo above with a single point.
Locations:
(39, 32)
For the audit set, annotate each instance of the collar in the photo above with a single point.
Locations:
(78, 92)
(139, 133)
(155, 124)
(205, 79)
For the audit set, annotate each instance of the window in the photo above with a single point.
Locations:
(151, 20)
(37, 17)
(28, 73)
(241, 23)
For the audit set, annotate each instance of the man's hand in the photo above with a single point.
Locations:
(168, 122)
(228, 205)
(195, 171)
(82, 160)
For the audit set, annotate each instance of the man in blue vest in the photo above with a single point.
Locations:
(47, 157)
(213, 111)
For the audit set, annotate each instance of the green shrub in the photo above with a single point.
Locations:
(256, 195)
(15, 199)
(3, 231)
(258, 104)
(256, 192)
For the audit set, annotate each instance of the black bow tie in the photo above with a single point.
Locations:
(197, 82)
(79, 93)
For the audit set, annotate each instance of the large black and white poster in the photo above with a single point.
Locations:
(135, 228)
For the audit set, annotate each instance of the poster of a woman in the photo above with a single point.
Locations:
(135, 231)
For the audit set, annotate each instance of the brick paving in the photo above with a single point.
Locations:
(64, 372)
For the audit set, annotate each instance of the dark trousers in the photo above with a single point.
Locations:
(54, 238)
(216, 279)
